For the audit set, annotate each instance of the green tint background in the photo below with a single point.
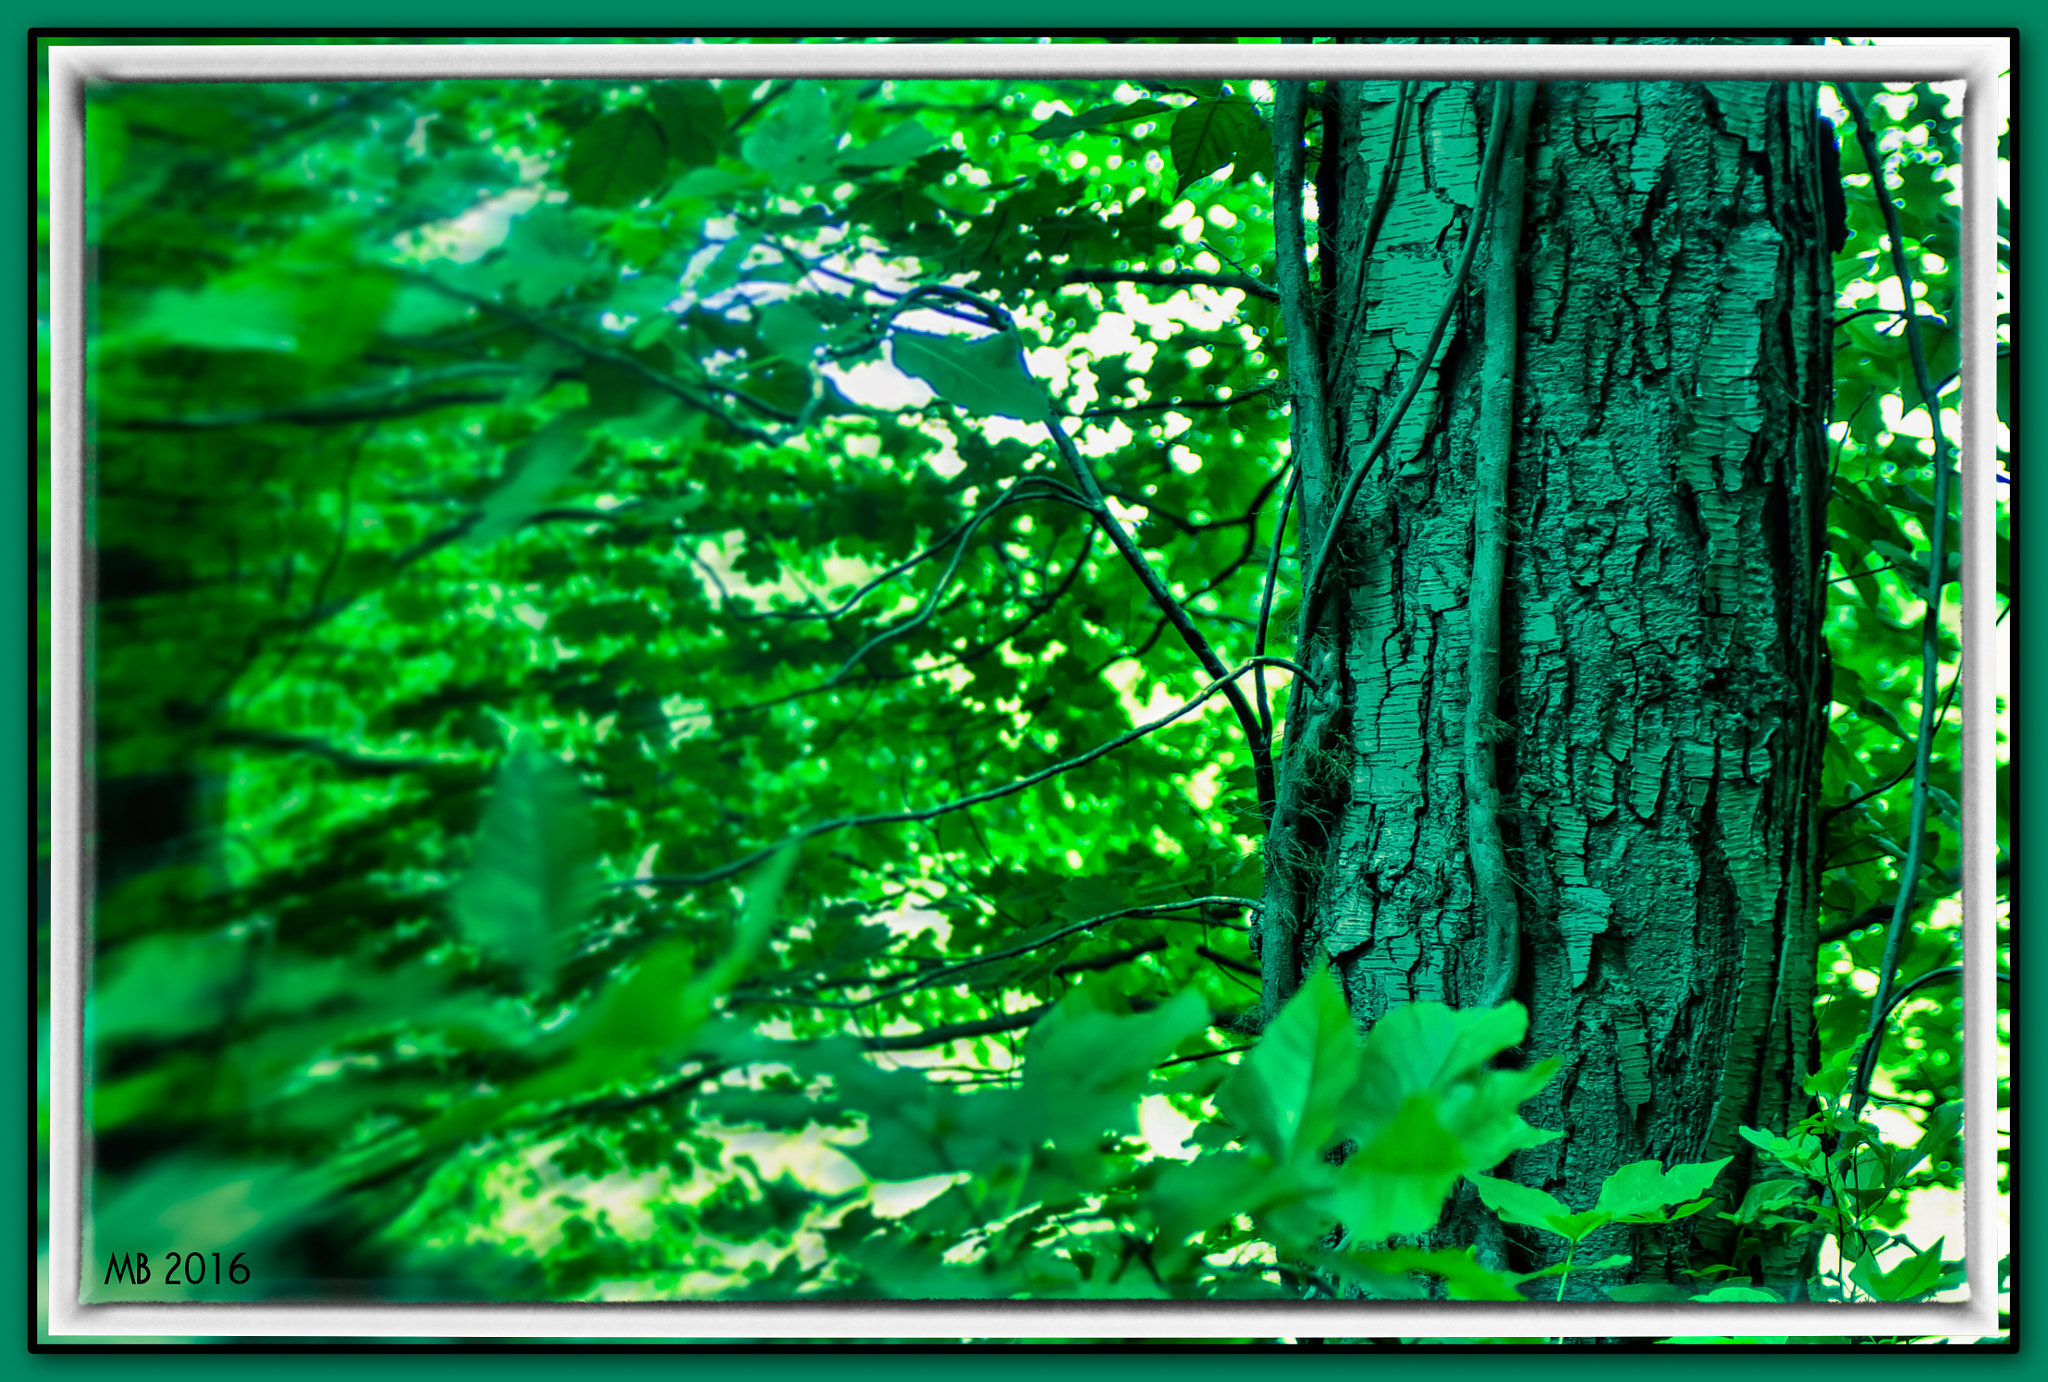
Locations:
(896, 17)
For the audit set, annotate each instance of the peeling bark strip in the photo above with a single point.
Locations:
(1659, 708)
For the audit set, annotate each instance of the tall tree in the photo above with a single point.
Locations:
(1566, 477)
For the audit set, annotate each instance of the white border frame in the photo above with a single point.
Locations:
(1976, 62)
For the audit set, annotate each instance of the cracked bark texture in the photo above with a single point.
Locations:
(1662, 686)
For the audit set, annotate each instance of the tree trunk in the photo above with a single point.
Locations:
(1662, 696)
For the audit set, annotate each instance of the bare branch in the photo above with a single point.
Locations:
(745, 862)
(929, 978)
(1175, 278)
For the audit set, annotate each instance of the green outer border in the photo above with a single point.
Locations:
(814, 16)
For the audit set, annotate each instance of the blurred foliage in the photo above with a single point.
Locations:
(507, 493)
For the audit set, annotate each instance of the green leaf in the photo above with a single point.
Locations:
(1743, 1293)
(1943, 1127)
(900, 145)
(417, 310)
(1428, 1045)
(632, 1023)
(1084, 1067)
(1608, 1263)
(647, 298)
(692, 118)
(1804, 1154)
(533, 880)
(1520, 1204)
(1384, 1270)
(616, 159)
(1061, 126)
(537, 470)
(1767, 1196)
(987, 376)
(1641, 1187)
(1209, 134)
(1090, 895)
(795, 141)
(1196, 1196)
(548, 252)
(1288, 1091)
(1397, 1182)
(1659, 1292)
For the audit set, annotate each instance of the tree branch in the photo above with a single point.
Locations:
(1930, 623)
(619, 359)
(1266, 603)
(1174, 278)
(691, 880)
(1262, 754)
(1179, 404)
(1110, 960)
(930, 977)
(361, 765)
(1218, 957)
(965, 659)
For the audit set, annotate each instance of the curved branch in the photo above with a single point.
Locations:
(1882, 1015)
(361, 765)
(1383, 198)
(1174, 278)
(1247, 719)
(965, 659)
(623, 361)
(938, 589)
(741, 865)
(1064, 493)
(1217, 957)
(931, 977)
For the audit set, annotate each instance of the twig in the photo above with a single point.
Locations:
(1219, 958)
(1251, 287)
(930, 977)
(965, 533)
(1930, 624)
(742, 864)
(623, 361)
(1247, 719)
(1266, 603)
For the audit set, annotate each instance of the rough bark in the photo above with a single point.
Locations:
(1662, 702)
